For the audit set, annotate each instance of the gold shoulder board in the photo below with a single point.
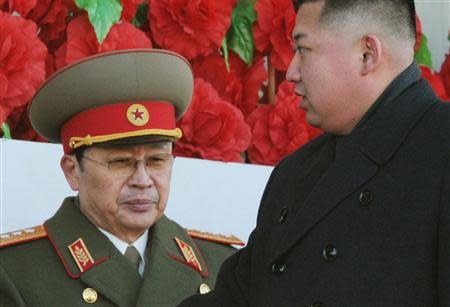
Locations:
(22, 236)
(215, 237)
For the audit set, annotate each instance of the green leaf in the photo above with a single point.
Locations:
(240, 35)
(141, 15)
(6, 131)
(423, 54)
(103, 14)
(225, 54)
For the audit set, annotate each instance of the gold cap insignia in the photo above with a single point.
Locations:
(204, 288)
(189, 255)
(81, 255)
(138, 115)
(90, 295)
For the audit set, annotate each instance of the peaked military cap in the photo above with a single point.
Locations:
(112, 96)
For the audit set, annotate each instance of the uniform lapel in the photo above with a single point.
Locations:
(111, 275)
(168, 281)
(116, 279)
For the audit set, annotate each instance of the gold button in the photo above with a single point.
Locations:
(90, 295)
(204, 288)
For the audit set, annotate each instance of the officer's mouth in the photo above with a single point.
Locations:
(139, 205)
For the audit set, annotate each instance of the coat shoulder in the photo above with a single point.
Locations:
(309, 149)
(22, 236)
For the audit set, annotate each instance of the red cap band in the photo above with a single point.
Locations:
(118, 121)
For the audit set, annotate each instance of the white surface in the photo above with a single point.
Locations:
(435, 18)
(205, 195)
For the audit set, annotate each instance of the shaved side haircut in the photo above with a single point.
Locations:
(395, 19)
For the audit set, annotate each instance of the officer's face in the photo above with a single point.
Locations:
(120, 196)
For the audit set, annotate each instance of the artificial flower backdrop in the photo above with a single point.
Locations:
(242, 109)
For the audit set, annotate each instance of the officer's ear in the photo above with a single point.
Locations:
(71, 170)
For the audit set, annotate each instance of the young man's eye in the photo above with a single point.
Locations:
(300, 49)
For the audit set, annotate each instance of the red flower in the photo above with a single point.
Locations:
(51, 17)
(129, 9)
(445, 74)
(279, 129)
(23, 7)
(212, 128)
(435, 82)
(22, 58)
(20, 126)
(190, 27)
(240, 85)
(82, 42)
(418, 34)
(273, 30)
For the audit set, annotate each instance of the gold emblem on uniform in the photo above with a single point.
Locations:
(22, 236)
(204, 288)
(215, 237)
(138, 115)
(81, 255)
(90, 295)
(189, 255)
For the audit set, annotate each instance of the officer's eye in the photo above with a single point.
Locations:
(119, 163)
(159, 160)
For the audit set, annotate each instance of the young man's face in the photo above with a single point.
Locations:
(121, 199)
(325, 69)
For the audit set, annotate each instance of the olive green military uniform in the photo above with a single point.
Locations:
(43, 271)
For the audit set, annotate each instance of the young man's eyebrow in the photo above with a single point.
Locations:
(299, 36)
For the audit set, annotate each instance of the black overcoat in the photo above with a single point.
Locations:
(374, 230)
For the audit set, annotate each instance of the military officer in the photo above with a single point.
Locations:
(115, 115)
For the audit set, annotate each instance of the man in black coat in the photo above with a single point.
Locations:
(360, 216)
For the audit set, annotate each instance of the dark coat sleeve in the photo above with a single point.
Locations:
(444, 242)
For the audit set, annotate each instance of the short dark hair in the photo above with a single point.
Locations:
(398, 15)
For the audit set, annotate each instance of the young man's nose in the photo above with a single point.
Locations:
(293, 71)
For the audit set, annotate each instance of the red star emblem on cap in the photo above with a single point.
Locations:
(138, 114)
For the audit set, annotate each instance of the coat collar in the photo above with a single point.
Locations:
(393, 115)
(112, 275)
(359, 155)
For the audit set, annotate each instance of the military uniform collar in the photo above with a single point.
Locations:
(140, 243)
(167, 267)
(69, 225)
(168, 235)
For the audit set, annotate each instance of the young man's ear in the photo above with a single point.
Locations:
(371, 53)
(71, 170)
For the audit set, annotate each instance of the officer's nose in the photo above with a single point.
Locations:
(141, 177)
